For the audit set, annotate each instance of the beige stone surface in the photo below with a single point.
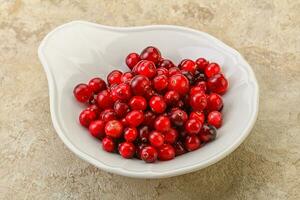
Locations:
(35, 164)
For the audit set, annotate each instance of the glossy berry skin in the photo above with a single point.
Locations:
(189, 76)
(108, 144)
(97, 85)
(104, 99)
(138, 103)
(149, 118)
(130, 134)
(82, 92)
(174, 70)
(139, 85)
(217, 84)
(132, 59)
(202, 64)
(192, 143)
(146, 68)
(198, 101)
(94, 108)
(192, 127)
(196, 89)
(114, 129)
(188, 65)
(212, 69)
(121, 92)
(149, 154)
(160, 83)
(134, 118)
(126, 77)
(207, 133)
(179, 83)
(114, 77)
(127, 150)
(157, 104)
(107, 115)
(171, 97)
(179, 148)
(121, 109)
(151, 53)
(178, 117)
(144, 132)
(171, 136)
(86, 117)
(96, 128)
(162, 71)
(166, 63)
(139, 148)
(197, 115)
(215, 119)
(214, 102)
(201, 84)
(166, 152)
(156, 139)
(162, 123)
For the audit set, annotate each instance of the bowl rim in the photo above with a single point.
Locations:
(148, 174)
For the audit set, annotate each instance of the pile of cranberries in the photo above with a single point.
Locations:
(157, 110)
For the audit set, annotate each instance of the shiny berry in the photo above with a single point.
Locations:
(188, 65)
(126, 77)
(215, 119)
(174, 70)
(107, 115)
(166, 152)
(162, 123)
(162, 71)
(157, 104)
(189, 76)
(217, 84)
(160, 82)
(121, 109)
(114, 77)
(86, 117)
(97, 84)
(127, 149)
(108, 144)
(196, 89)
(212, 69)
(198, 101)
(179, 148)
(94, 108)
(171, 136)
(179, 83)
(96, 128)
(207, 133)
(140, 84)
(114, 129)
(214, 102)
(192, 143)
(178, 117)
(138, 103)
(171, 97)
(144, 132)
(139, 148)
(146, 68)
(149, 154)
(130, 134)
(202, 64)
(104, 100)
(197, 115)
(149, 118)
(82, 92)
(156, 138)
(192, 126)
(201, 84)
(121, 92)
(135, 118)
(166, 63)
(132, 59)
(151, 53)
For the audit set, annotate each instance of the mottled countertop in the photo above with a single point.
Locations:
(35, 164)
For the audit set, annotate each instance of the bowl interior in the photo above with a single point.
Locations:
(77, 52)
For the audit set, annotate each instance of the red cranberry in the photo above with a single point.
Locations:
(156, 139)
(171, 136)
(126, 77)
(138, 103)
(114, 129)
(196, 89)
(207, 133)
(149, 154)
(162, 71)
(192, 143)
(174, 70)
(201, 84)
(166, 63)
(140, 84)
(197, 115)
(121, 92)
(217, 84)
(139, 148)
(108, 144)
(104, 100)
(179, 83)
(86, 117)
(214, 102)
(124, 122)
(162, 123)
(134, 118)
(130, 134)
(149, 118)
(179, 148)
(198, 101)
(96, 129)
(94, 108)
(144, 134)
(114, 77)
(97, 84)
(151, 53)
(212, 69)
(178, 117)
(121, 109)
(157, 104)
(171, 97)
(127, 149)
(201, 63)
(188, 65)
(214, 118)
(82, 92)
(160, 82)
(189, 76)
(107, 115)
(132, 59)
(146, 68)
(192, 126)
(166, 152)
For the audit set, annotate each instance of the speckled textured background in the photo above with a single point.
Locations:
(35, 164)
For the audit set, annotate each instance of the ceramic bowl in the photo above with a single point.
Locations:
(78, 51)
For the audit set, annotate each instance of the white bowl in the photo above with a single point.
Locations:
(77, 51)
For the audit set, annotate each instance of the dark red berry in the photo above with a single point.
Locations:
(212, 69)
(144, 132)
(217, 84)
(127, 149)
(156, 138)
(160, 82)
(188, 65)
(82, 92)
(179, 83)
(121, 92)
(114, 77)
(192, 126)
(114, 129)
(138, 103)
(214, 102)
(215, 119)
(201, 84)
(166, 152)
(107, 115)
(162, 123)
(135, 118)
(149, 118)
(178, 117)
(121, 109)
(130, 134)
(94, 108)
(198, 101)
(179, 148)
(96, 129)
(192, 143)
(157, 104)
(162, 71)
(201, 63)
(207, 133)
(97, 85)
(108, 144)
(140, 84)
(166, 63)
(139, 148)
(189, 76)
(132, 59)
(126, 77)
(86, 117)
(104, 100)
(149, 154)
(146, 68)
(171, 136)
(151, 53)
(171, 97)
